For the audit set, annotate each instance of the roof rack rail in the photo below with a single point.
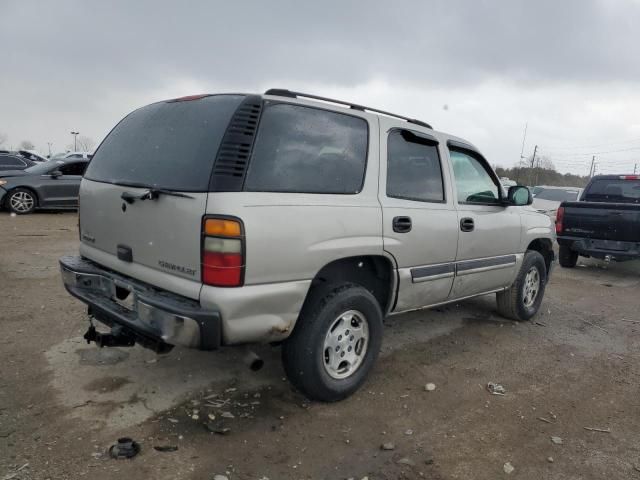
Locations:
(281, 92)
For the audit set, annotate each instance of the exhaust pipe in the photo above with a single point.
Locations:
(252, 360)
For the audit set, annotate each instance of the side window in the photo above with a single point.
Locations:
(473, 182)
(413, 168)
(76, 168)
(308, 150)
(11, 161)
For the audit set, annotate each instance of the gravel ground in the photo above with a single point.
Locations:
(571, 373)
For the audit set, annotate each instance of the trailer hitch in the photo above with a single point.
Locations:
(117, 338)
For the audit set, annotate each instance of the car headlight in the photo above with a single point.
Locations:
(3, 182)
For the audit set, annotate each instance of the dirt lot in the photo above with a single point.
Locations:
(62, 402)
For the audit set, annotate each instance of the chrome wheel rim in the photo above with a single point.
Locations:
(346, 344)
(531, 287)
(22, 202)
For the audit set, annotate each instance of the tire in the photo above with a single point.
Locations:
(511, 302)
(21, 201)
(567, 257)
(315, 360)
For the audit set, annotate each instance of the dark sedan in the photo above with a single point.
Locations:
(52, 184)
(11, 161)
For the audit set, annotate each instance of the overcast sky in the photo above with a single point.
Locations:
(477, 69)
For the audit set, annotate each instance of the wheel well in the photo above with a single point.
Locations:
(35, 195)
(545, 248)
(373, 272)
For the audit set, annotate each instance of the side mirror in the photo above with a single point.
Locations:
(56, 174)
(519, 196)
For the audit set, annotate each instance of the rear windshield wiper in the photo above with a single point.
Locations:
(152, 193)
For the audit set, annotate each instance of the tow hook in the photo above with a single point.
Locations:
(117, 338)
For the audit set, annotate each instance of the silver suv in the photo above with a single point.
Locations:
(216, 220)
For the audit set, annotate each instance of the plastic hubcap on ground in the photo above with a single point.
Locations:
(531, 286)
(21, 202)
(345, 345)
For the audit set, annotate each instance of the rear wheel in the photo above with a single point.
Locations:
(335, 342)
(522, 300)
(567, 257)
(21, 201)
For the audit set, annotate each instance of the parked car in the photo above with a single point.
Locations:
(66, 155)
(278, 218)
(10, 161)
(548, 199)
(32, 155)
(53, 184)
(604, 224)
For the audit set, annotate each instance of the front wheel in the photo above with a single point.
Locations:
(21, 201)
(335, 342)
(522, 300)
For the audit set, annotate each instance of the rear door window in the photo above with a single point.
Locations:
(170, 145)
(413, 168)
(10, 161)
(308, 150)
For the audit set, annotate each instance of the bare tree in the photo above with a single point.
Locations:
(27, 145)
(85, 144)
(3, 137)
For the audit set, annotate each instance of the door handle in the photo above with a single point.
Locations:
(467, 225)
(402, 224)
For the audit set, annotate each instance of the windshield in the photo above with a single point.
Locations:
(558, 195)
(614, 190)
(44, 167)
(170, 145)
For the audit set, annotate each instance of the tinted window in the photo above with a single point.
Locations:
(11, 161)
(614, 190)
(75, 168)
(473, 182)
(558, 195)
(413, 168)
(302, 149)
(170, 145)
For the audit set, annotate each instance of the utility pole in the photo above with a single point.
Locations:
(524, 138)
(75, 137)
(635, 167)
(533, 159)
(49, 144)
(593, 163)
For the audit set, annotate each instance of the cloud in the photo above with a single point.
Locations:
(562, 66)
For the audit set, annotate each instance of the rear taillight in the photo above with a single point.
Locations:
(630, 177)
(559, 219)
(222, 252)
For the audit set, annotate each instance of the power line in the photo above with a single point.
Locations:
(588, 154)
(597, 145)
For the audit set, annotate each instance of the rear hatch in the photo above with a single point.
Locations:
(610, 210)
(144, 193)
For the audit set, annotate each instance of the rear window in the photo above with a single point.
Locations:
(613, 190)
(308, 150)
(558, 195)
(170, 145)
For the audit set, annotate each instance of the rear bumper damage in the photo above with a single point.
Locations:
(138, 312)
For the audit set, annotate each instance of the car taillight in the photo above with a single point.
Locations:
(630, 177)
(559, 219)
(222, 252)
